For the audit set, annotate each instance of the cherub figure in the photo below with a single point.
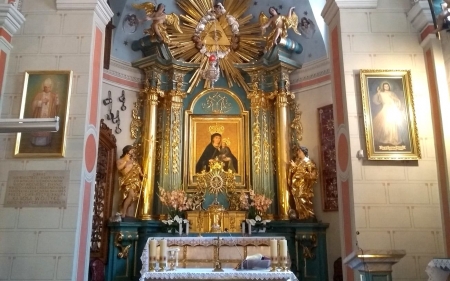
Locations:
(280, 25)
(160, 20)
(441, 17)
(307, 27)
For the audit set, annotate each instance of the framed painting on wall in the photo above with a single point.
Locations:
(389, 116)
(46, 94)
(212, 137)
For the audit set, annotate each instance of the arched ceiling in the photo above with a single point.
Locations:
(312, 39)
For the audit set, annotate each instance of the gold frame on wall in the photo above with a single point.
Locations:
(197, 137)
(45, 144)
(389, 117)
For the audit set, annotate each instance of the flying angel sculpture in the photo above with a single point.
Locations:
(160, 20)
(280, 25)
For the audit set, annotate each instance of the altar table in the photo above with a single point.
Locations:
(438, 269)
(227, 274)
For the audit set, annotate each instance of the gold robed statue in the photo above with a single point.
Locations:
(302, 177)
(160, 21)
(130, 180)
(279, 24)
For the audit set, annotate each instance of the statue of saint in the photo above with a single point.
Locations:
(130, 178)
(302, 176)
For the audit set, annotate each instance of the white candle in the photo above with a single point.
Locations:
(243, 228)
(283, 248)
(273, 249)
(180, 228)
(187, 229)
(153, 245)
(249, 228)
(163, 250)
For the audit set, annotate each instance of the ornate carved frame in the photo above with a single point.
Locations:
(104, 191)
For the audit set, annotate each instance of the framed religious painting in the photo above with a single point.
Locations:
(389, 116)
(216, 137)
(46, 94)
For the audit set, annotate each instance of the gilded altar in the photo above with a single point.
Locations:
(201, 221)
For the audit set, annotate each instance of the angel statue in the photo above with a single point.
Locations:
(160, 20)
(280, 25)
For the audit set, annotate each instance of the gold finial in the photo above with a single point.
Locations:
(216, 129)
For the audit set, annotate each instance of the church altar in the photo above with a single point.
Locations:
(219, 140)
(201, 252)
(438, 269)
(227, 274)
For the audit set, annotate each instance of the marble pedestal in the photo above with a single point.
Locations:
(374, 264)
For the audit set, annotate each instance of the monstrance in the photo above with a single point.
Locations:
(216, 181)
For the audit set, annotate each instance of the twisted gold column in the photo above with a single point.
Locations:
(149, 151)
(282, 146)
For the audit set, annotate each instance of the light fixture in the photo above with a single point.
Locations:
(29, 125)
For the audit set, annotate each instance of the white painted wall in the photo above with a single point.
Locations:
(39, 243)
(310, 100)
(396, 204)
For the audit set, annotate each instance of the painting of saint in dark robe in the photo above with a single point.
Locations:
(217, 148)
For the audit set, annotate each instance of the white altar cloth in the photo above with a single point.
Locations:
(227, 274)
(438, 269)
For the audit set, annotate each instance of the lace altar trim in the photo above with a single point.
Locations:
(228, 274)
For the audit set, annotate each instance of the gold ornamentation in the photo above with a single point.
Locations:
(123, 250)
(221, 31)
(176, 128)
(216, 129)
(279, 24)
(266, 145)
(160, 21)
(308, 243)
(136, 122)
(167, 140)
(217, 103)
(159, 137)
(296, 124)
(256, 142)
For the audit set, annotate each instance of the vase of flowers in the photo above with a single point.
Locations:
(177, 203)
(256, 206)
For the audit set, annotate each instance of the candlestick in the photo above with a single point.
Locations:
(152, 250)
(273, 254)
(249, 229)
(180, 228)
(162, 254)
(187, 228)
(243, 228)
(283, 254)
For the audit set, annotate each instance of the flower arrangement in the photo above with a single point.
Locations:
(177, 203)
(257, 206)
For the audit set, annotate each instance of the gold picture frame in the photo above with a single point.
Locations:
(46, 94)
(199, 136)
(389, 116)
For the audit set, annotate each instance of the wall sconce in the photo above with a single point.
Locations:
(29, 125)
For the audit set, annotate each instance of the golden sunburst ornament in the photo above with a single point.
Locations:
(217, 36)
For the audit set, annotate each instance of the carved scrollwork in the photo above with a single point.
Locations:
(308, 242)
(123, 250)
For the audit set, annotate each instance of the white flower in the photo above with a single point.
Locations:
(169, 222)
(185, 221)
(178, 219)
(165, 222)
(265, 221)
(257, 218)
(251, 221)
